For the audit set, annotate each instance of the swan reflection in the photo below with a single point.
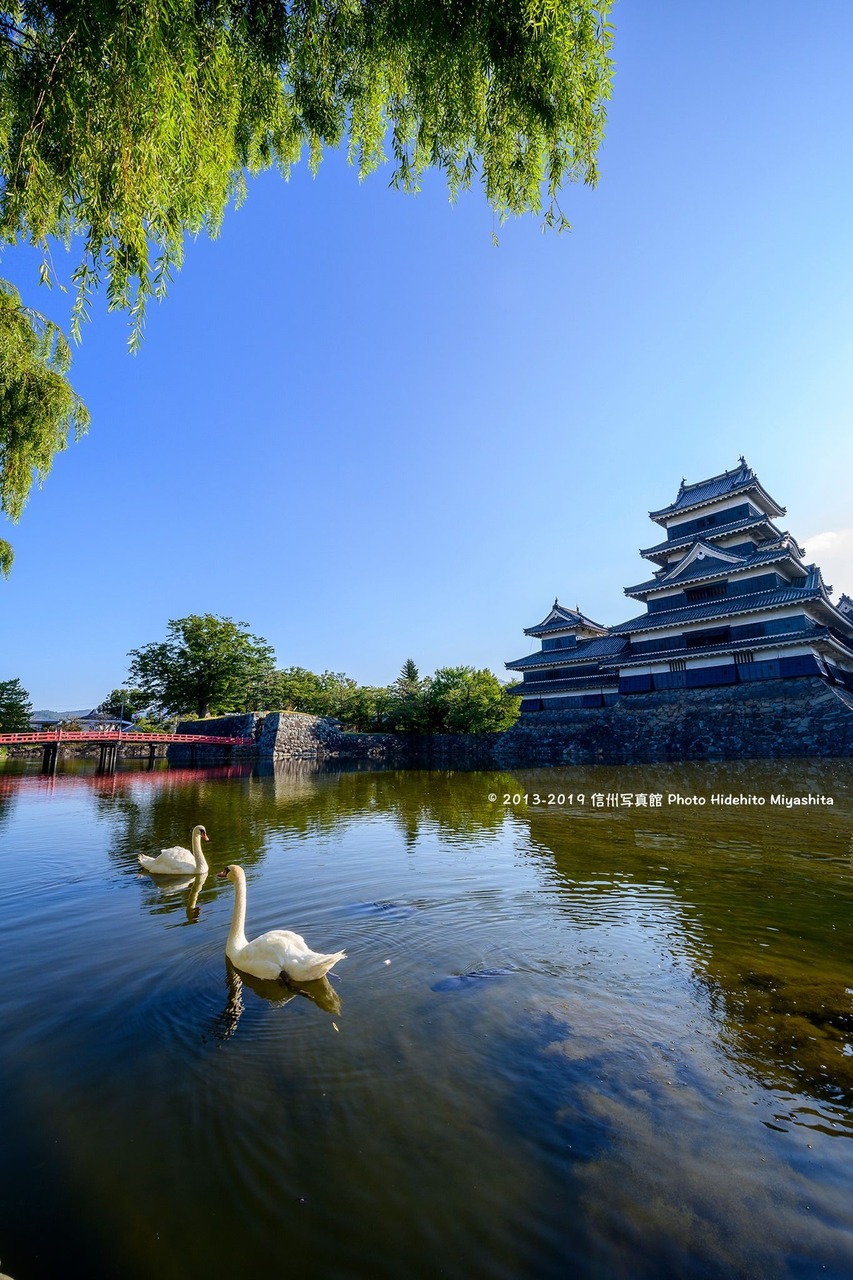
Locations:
(276, 991)
(170, 887)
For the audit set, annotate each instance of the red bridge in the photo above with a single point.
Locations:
(109, 742)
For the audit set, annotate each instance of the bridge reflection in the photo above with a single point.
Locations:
(109, 744)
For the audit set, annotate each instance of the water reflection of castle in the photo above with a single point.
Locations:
(732, 601)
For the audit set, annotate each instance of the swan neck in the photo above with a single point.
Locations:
(237, 934)
(200, 860)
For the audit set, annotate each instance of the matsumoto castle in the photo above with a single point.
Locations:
(730, 601)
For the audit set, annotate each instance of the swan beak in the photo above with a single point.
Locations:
(205, 836)
(222, 875)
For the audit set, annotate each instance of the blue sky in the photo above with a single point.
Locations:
(361, 428)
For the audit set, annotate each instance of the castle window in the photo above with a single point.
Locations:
(699, 639)
(558, 642)
(706, 592)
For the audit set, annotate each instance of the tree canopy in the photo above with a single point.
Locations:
(407, 711)
(127, 126)
(208, 665)
(213, 665)
(297, 689)
(465, 700)
(122, 703)
(453, 700)
(38, 408)
(15, 707)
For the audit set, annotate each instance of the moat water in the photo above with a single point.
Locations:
(608, 1038)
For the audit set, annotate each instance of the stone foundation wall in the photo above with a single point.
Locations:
(763, 720)
(242, 726)
(295, 735)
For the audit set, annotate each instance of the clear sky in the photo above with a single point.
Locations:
(361, 428)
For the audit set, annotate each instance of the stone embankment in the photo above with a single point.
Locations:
(764, 720)
(294, 735)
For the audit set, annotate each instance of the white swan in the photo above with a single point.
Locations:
(178, 861)
(277, 954)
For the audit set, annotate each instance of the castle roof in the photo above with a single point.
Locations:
(728, 606)
(816, 636)
(716, 562)
(742, 479)
(741, 525)
(586, 651)
(729, 591)
(562, 619)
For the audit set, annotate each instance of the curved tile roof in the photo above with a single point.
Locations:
(721, 607)
(565, 620)
(711, 534)
(711, 567)
(741, 479)
(588, 651)
(730, 646)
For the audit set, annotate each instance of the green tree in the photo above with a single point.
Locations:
(38, 408)
(408, 713)
(15, 707)
(208, 664)
(335, 689)
(367, 709)
(123, 703)
(297, 689)
(128, 126)
(464, 700)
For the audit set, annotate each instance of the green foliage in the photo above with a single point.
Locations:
(408, 700)
(154, 723)
(132, 124)
(127, 126)
(454, 700)
(367, 709)
(124, 703)
(38, 408)
(212, 665)
(15, 707)
(209, 664)
(331, 694)
(463, 700)
(296, 689)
